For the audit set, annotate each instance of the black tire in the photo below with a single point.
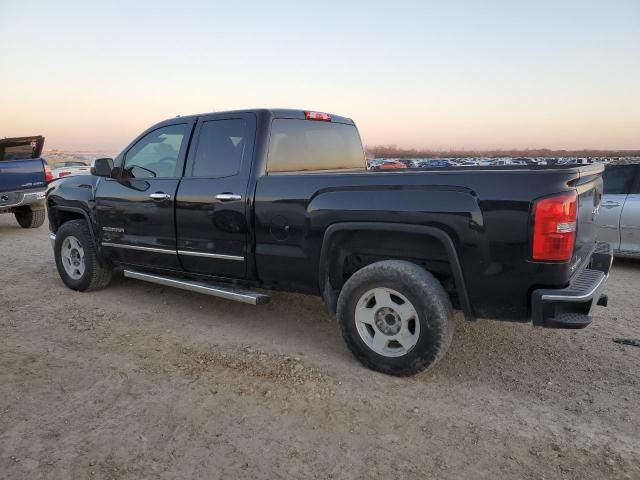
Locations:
(430, 301)
(28, 218)
(96, 275)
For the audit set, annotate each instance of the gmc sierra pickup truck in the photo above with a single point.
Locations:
(228, 202)
(23, 179)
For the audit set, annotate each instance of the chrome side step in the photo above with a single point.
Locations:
(244, 296)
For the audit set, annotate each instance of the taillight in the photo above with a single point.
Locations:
(48, 175)
(318, 116)
(554, 227)
(63, 174)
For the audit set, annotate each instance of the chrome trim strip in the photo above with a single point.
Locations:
(579, 298)
(227, 293)
(211, 255)
(135, 247)
(181, 252)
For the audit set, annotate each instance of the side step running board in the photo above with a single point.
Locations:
(244, 296)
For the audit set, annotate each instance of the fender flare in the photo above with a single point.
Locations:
(433, 232)
(80, 211)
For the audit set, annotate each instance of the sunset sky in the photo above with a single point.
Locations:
(435, 74)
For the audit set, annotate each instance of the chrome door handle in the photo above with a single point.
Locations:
(160, 196)
(610, 204)
(226, 197)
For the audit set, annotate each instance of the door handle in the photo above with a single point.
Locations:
(227, 197)
(160, 196)
(610, 204)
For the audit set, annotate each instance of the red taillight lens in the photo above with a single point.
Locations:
(63, 174)
(48, 175)
(318, 116)
(554, 230)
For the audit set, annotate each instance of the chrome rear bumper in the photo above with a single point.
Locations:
(569, 307)
(9, 200)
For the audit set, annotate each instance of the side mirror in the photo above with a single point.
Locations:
(102, 167)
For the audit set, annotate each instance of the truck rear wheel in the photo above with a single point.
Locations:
(28, 218)
(395, 317)
(77, 259)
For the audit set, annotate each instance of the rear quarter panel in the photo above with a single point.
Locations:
(485, 212)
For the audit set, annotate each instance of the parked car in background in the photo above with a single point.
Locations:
(69, 168)
(619, 216)
(502, 162)
(23, 178)
(389, 165)
(433, 163)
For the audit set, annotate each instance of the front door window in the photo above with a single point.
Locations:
(156, 154)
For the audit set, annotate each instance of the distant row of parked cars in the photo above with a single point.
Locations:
(402, 163)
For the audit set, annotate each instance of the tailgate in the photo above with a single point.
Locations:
(21, 174)
(21, 148)
(589, 188)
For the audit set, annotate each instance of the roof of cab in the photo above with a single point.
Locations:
(272, 112)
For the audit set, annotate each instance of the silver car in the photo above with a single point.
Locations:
(619, 217)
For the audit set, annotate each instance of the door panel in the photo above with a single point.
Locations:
(212, 199)
(135, 210)
(618, 183)
(630, 225)
(609, 219)
(135, 228)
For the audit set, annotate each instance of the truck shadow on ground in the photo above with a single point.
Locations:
(13, 227)
(484, 351)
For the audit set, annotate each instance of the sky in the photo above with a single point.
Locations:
(420, 74)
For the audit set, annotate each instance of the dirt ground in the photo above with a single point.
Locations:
(142, 381)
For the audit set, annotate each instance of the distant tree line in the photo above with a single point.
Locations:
(393, 151)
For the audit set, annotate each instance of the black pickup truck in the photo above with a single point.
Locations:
(228, 202)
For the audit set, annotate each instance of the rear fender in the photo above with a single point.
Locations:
(331, 255)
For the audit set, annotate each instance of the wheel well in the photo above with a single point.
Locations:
(356, 250)
(347, 249)
(58, 217)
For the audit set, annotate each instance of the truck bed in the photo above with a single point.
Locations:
(484, 210)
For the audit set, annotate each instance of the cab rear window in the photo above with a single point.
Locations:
(303, 145)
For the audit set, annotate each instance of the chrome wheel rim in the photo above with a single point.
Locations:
(387, 322)
(72, 255)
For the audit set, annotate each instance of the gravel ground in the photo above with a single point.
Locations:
(142, 381)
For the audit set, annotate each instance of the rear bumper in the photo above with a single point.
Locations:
(10, 200)
(569, 307)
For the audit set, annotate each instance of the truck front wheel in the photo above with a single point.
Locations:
(28, 218)
(395, 317)
(77, 259)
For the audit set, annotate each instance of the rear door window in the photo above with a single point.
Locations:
(299, 145)
(221, 149)
(618, 179)
(635, 188)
